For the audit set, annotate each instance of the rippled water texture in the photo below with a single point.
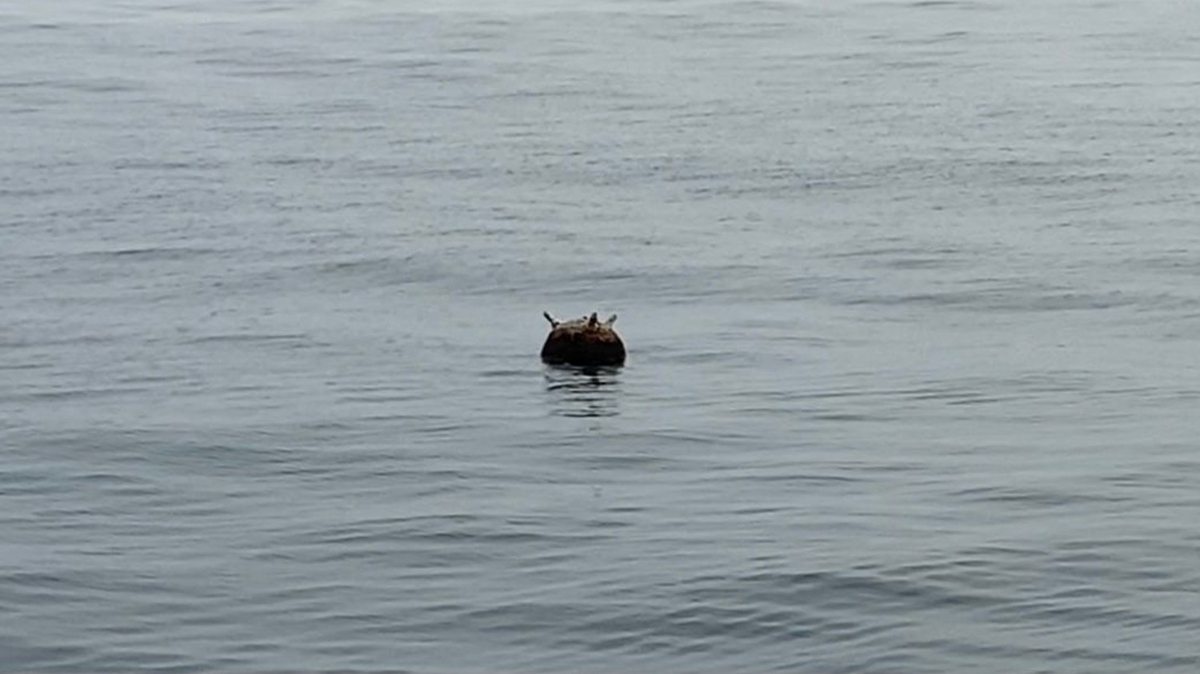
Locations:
(910, 292)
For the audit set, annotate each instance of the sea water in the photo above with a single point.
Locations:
(911, 292)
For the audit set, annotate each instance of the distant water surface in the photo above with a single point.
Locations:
(911, 292)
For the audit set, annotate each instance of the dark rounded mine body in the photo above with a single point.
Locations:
(585, 341)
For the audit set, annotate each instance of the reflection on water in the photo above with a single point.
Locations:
(583, 391)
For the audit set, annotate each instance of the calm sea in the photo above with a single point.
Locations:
(911, 292)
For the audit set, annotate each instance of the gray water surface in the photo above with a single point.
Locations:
(911, 292)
